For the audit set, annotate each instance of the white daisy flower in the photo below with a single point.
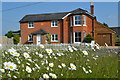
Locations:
(28, 69)
(85, 70)
(26, 55)
(45, 76)
(40, 55)
(27, 47)
(2, 70)
(12, 66)
(54, 76)
(49, 51)
(6, 65)
(51, 64)
(59, 66)
(70, 49)
(90, 71)
(47, 68)
(72, 66)
(85, 52)
(41, 46)
(63, 65)
(36, 53)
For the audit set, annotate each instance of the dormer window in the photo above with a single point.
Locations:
(54, 23)
(30, 24)
(77, 20)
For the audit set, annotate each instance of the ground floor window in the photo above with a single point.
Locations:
(77, 36)
(54, 37)
(30, 38)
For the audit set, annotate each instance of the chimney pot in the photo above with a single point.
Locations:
(92, 8)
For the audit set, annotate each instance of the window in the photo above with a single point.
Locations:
(55, 37)
(84, 20)
(77, 20)
(77, 37)
(54, 23)
(71, 21)
(30, 24)
(84, 34)
(30, 38)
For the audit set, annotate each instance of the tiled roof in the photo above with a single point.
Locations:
(51, 16)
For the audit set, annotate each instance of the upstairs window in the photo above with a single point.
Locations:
(30, 38)
(30, 24)
(54, 23)
(84, 20)
(55, 37)
(77, 20)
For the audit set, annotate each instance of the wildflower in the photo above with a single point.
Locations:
(58, 54)
(2, 70)
(17, 54)
(70, 49)
(90, 71)
(37, 66)
(27, 47)
(47, 68)
(51, 64)
(85, 52)
(41, 46)
(49, 51)
(75, 48)
(72, 66)
(40, 55)
(8, 75)
(10, 65)
(14, 76)
(45, 76)
(63, 65)
(85, 70)
(26, 55)
(36, 53)
(59, 66)
(28, 69)
(54, 76)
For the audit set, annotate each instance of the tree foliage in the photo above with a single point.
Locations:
(105, 24)
(16, 37)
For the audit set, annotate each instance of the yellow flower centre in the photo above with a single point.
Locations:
(6, 65)
(26, 55)
(12, 52)
(11, 67)
(72, 66)
(27, 70)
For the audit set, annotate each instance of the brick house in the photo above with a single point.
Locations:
(66, 27)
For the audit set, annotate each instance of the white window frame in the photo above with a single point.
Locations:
(84, 20)
(54, 38)
(74, 37)
(71, 22)
(53, 22)
(79, 20)
(31, 24)
(29, 38)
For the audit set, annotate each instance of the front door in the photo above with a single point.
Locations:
(77, 37)
(38, 39)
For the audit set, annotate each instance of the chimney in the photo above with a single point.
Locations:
(92, 8)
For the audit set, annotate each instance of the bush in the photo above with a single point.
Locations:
(88, 39)
(16, 39)
(48, 38)
(117, 44)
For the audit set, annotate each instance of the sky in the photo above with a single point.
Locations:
(12, 12)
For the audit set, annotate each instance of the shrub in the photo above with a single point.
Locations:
(117, 44)
(16, 39)
(88, 39)
(48, 38)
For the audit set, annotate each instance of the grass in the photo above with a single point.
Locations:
(103, 64)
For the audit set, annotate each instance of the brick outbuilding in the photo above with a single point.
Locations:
(66, 27)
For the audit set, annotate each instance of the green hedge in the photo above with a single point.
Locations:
(117, 44)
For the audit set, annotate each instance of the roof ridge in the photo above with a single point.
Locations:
(46, 14)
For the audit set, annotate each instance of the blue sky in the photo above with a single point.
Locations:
(104, 11)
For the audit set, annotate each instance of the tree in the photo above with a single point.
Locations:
(105, 24)
(88, 39)
(9, 34)
(16, 37)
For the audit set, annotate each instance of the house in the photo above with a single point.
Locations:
(117, 30)
(65, 27)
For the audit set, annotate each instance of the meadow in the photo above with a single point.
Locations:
(70, 62)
